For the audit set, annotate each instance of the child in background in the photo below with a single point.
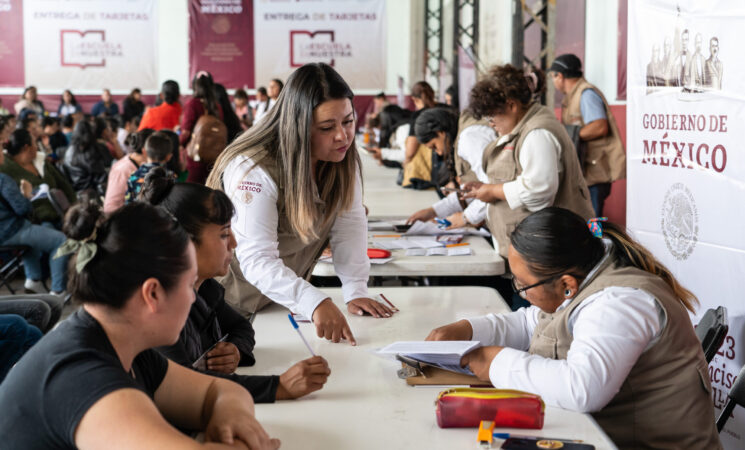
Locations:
(158, 151)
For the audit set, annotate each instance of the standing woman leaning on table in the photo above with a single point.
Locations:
(295, 181)
(607, 332)
(533, 165)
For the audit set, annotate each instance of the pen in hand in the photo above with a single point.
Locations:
(294, 324)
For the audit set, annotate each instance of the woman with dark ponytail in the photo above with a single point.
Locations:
(608, 332)
(461, 144)
(95, 380)
(205, 214)
(437, 128)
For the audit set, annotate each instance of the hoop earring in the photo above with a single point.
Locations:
(568, 293)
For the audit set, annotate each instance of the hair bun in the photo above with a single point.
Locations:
(82, 219)
(157, 186)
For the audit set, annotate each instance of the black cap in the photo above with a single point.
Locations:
(568, 65)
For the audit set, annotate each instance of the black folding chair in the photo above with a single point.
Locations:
(12, 263)
(711, 331)
(736, 396)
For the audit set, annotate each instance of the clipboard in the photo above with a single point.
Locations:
(420, 374)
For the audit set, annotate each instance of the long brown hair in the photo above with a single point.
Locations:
(284, 135)
(555, 241)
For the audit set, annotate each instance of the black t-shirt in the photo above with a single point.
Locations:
(51, 388)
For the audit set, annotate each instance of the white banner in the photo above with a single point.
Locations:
(686, 166)
(83, 44)
(349, 35)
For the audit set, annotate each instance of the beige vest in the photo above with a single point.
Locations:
(298, 256)
(605, 160)
(462, 167)
(502, 165)
(665, 402)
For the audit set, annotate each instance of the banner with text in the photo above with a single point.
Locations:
(221, 41)
(686, 166)
(11, 43)
(81, 44)
(348, 35)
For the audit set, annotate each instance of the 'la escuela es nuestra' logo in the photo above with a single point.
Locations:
(679, 222)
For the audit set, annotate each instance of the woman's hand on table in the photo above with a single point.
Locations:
(423, 215)
(479, 360)
(360, 306)
(331, 324)
(234, 423)
(456, 331)
(306, 376)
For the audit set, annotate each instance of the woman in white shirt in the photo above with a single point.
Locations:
(607, 332)
(295, 180)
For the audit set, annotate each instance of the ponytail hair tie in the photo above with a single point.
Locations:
(594, 225)
(85, 249)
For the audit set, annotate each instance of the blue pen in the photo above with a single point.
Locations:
(533, 438)
(294, 324)
(443, 223)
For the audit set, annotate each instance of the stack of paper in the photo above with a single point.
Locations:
(443, 354)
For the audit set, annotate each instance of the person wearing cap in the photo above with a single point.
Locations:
(585, 106)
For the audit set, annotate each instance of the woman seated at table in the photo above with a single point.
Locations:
(473, 138)
(205, 214)
(608, 333)
(95, 381)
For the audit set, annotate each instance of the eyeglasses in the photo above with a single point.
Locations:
(521, 290)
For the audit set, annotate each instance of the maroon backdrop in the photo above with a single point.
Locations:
(222, 43)
(623, 14)
(11, 45)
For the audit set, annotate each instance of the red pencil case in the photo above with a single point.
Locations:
(467, 407)
(377, 253)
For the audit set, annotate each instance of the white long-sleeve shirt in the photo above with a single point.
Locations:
(537, 185)
(255, 227)
(610, 330)
(471, 145)
(397, 149)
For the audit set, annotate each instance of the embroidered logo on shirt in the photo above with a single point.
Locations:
(248, 188)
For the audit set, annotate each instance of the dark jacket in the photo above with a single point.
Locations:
(211, 318)
(87, 172)
(14, 207)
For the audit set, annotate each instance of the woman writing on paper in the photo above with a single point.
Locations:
(607, 332)
(295, 181)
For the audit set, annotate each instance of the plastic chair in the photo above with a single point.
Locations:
(13, 264)
(711, 331)
(736, 396)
